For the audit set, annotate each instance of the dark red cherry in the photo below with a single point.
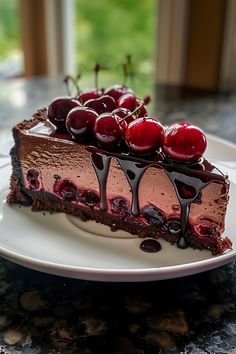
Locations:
(65, 189)
(127, 101)
(142, 112)
(32, 178)
(102, 104)
(80, 122)
(144, 135)
(58, 110)
(184, 142)
(173, 227)
(89, 94)
(153, 215)
(116, 91)
(89, 198)
(120, 206)
(122, 113)
(107, 130)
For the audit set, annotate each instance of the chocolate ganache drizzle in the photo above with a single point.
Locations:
(188, 181)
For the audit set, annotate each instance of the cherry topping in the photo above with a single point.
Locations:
(131, 102)
(144, 135)
(58, 110)
(80, 122)
(65, 189)
(89, 94)
(142, 112)
(184, 142)
(116, 91)
(128, 101)
(107, 130)
(124, 116)
(153, 215)
(102, 104)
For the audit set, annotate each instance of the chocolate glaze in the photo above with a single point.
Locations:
(101, 164)
(150, 245)
(188, 180)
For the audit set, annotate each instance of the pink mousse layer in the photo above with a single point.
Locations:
(72, 161)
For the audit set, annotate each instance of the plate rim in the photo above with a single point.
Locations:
(120, 274)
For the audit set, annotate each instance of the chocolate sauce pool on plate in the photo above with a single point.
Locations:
(150, 245)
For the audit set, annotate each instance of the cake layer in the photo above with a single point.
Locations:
(150, 197)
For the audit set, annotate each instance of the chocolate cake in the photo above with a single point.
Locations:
(121, 169)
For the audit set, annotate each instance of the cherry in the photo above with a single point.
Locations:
(184, 142)
(142, 112)
(116, 91)
(144, 135)
(131, 102)
(80, 122)
(89, 94)
(65, 189)
(58, 110)
(32, 175)
(89, 198)
(128, 101)
(120, 206)
(32, 178)
(124, 116)
(102, 104)
(107, 130)
(153, 215)
(173, 227)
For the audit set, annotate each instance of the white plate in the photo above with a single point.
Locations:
(53, 244)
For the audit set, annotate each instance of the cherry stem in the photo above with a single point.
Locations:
(78, 77)
(74, 81)
(127, 70)
(96, 69)
(66, 81)
(146, 100)
(135, 111)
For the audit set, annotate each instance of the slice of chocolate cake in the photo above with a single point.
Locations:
(121, 169)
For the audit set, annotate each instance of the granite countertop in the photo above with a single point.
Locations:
(42, 313)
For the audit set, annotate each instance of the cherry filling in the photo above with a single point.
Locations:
(89, 198)
(153, 215)
(173, 227)
(120, 206)
(185, 191)
(32, 178)
(207, 230)
(65, 190)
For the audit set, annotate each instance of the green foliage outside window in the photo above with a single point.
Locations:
(108, 30)
(9, 27)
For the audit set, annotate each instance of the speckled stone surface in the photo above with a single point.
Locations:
(41, 313)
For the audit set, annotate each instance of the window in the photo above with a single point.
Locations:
(11, 56)
(107, 31)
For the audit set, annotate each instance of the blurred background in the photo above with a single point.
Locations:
(181, 49)
(188, 43)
